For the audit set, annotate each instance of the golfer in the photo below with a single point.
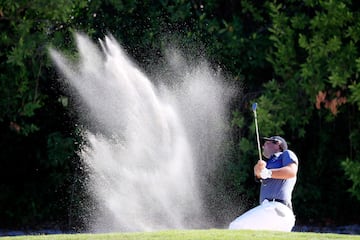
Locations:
(277, 177)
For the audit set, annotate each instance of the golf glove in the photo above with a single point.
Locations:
(265, 173)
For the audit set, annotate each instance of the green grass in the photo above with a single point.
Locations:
(213, 234)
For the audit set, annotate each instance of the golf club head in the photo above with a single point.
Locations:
(254, 106)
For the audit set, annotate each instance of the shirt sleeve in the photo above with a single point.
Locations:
(289, 157)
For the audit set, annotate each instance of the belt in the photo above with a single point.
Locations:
(286, 203)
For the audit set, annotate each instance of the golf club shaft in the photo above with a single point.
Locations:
(257, 131)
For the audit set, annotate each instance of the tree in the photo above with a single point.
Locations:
(37, 146)
(312, 95)
(298, 59)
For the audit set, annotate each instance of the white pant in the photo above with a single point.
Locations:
(269, 215)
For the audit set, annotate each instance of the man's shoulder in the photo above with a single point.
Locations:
(288, 154)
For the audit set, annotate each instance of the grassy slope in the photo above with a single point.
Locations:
(213, 234)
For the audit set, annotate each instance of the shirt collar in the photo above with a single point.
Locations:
(276, 155)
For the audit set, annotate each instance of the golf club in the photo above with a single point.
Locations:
(254, 106)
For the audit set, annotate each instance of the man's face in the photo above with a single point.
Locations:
(270, 147)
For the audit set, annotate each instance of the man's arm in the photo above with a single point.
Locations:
(286, 172)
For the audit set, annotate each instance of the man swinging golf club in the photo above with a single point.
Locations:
(277, 177)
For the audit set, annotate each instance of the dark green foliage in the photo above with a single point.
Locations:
(298, 59)
(314, 58)
(352, 170)
(38, 158)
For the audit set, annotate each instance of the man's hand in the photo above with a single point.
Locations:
(259, 166)
(265, 173)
